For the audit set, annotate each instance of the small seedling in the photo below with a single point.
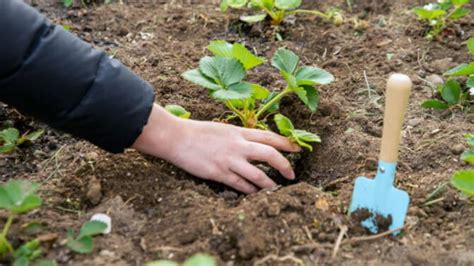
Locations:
(178, 111)
(301, 137)
(199, 259)
(83, 243)
(453, 93)
(19, 197)
(10, 138)
(224, 76)
(277, 10)
(464, 180)
(440, 15)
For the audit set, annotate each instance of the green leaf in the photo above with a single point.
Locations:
(91, 228)
(461, 70)
(259, 92)
(162, 263)
(224, 71)
(68, 3)
(470, 45)
(459, 2)
(428, 14)
(248, 59)
(309, 96)
(236, 3)
(451, 92)
(268, 4)
(200, 259)
(224, 5)
(21, 261)
(435, 104)
(285, 60)
(468, 156)
(18, 196)
(34, 135)
(46, 263)
(302, 137)
(81, 245)
(306, 136)
(470, 82)
(196, 77)
(9, 135)
(177, 110)
(459, 13)
(29, 203)
(220, 48)
(237, 91)
(470, 139)
(284, 124)
(5, 148)
(464, 181)
(287, 4)
(292, 84)
(253, 18)
(308, 75)
(28, 250)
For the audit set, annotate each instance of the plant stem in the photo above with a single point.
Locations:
(271, 102)
(236, 111)
(314, 12)
(6, 228)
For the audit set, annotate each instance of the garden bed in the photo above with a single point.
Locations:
(159, 211)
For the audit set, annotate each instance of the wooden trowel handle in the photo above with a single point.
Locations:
(396, 101)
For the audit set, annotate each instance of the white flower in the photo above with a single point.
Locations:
(433, 22)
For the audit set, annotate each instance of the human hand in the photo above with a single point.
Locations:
(216, 151)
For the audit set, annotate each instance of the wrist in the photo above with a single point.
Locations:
(159, 134)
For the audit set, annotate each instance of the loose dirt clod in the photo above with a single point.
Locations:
(358, 216)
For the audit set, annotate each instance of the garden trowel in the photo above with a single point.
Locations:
(378, 196)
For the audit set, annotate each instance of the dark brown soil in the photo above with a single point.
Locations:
(359, 215)
(159, 211)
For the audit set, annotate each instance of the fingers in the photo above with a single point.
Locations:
(265, 153)
(240, 184)
(253, 174)
(270, 138)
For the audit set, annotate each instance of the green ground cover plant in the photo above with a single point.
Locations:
(439, 15)
(454, 93)
(10, 139)
(464, 180)
(199, 259)
(224, 76)
(19, 197)
(83, 243)
(277, 10)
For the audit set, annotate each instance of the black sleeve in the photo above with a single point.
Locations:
(54, 76)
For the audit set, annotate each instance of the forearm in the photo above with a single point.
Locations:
(52, 75)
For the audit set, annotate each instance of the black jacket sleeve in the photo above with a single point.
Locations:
(54, 76)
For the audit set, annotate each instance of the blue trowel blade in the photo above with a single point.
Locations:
(379, 196)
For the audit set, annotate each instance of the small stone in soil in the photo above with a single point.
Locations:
(94, 191)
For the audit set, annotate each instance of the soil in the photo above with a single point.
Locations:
(381, 222)
(159, 211)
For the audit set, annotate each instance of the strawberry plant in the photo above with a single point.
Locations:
(18, 197)
(199, 259)
(224, 77)
(83, 243)
(440, 15)
(453, 93)
(464, 180)
(10, 139)
(277, 10)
